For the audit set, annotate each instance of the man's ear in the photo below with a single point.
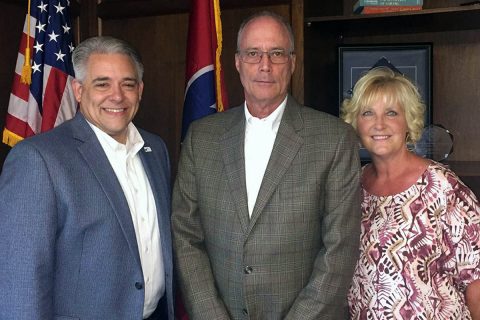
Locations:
(237, 62)
(77, 89)
(140, 90)
(293, 61)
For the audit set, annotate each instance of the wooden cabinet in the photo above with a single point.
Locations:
(454, 32)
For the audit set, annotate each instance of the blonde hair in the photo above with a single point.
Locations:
(384, 82)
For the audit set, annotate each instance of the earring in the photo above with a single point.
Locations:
(410, 144)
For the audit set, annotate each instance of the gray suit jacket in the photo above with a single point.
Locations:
(67, 243)
(294, 258)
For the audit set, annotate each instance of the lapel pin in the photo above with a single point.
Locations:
(147, 149)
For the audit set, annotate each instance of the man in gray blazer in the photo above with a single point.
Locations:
(266, 208)
(85, 207)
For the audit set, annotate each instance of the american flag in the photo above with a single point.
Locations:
(48, 100)
(205, 91)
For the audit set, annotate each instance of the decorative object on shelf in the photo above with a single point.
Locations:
(436, 143)
(386, 9)
(412, 60)
(383, 6)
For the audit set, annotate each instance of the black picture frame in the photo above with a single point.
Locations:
(412, 60)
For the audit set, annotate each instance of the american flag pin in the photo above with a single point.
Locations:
(147, 149)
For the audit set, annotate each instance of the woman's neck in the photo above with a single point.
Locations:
(393, 175)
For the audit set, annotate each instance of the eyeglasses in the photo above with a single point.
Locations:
(276, 56)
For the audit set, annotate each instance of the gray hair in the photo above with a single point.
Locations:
(103, 45)
(281, 20)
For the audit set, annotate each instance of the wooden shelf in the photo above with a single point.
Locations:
(427, 20)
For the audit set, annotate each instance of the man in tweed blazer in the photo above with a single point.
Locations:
(266, 204)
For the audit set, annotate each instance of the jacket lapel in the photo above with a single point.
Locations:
(95, 157)
(161, 192)
(285, 148)
(234, 161)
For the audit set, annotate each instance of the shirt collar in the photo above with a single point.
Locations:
(133, 144)
(272, 120)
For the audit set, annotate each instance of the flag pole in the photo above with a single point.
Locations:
(26, 76)
(218, 54)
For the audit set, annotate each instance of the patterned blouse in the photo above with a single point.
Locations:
(419, 250)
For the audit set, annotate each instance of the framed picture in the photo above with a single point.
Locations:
(412, 60)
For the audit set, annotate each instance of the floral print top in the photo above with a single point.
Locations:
(419, 250)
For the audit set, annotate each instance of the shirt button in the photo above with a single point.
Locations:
(248, 270)
(139, 285)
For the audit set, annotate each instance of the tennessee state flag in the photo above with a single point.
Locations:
(205, 90)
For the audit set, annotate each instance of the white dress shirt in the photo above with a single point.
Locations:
(260, 135)
(128, 167)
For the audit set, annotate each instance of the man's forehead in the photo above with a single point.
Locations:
(117, 59)
(257, 34)
(110, 66)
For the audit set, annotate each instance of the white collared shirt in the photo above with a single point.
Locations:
(128, 167)
(260, 135)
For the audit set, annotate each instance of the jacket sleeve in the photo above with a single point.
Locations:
(195, 275)
(325, 295)
(27, 236)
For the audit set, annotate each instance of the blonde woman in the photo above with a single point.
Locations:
(420, 236)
